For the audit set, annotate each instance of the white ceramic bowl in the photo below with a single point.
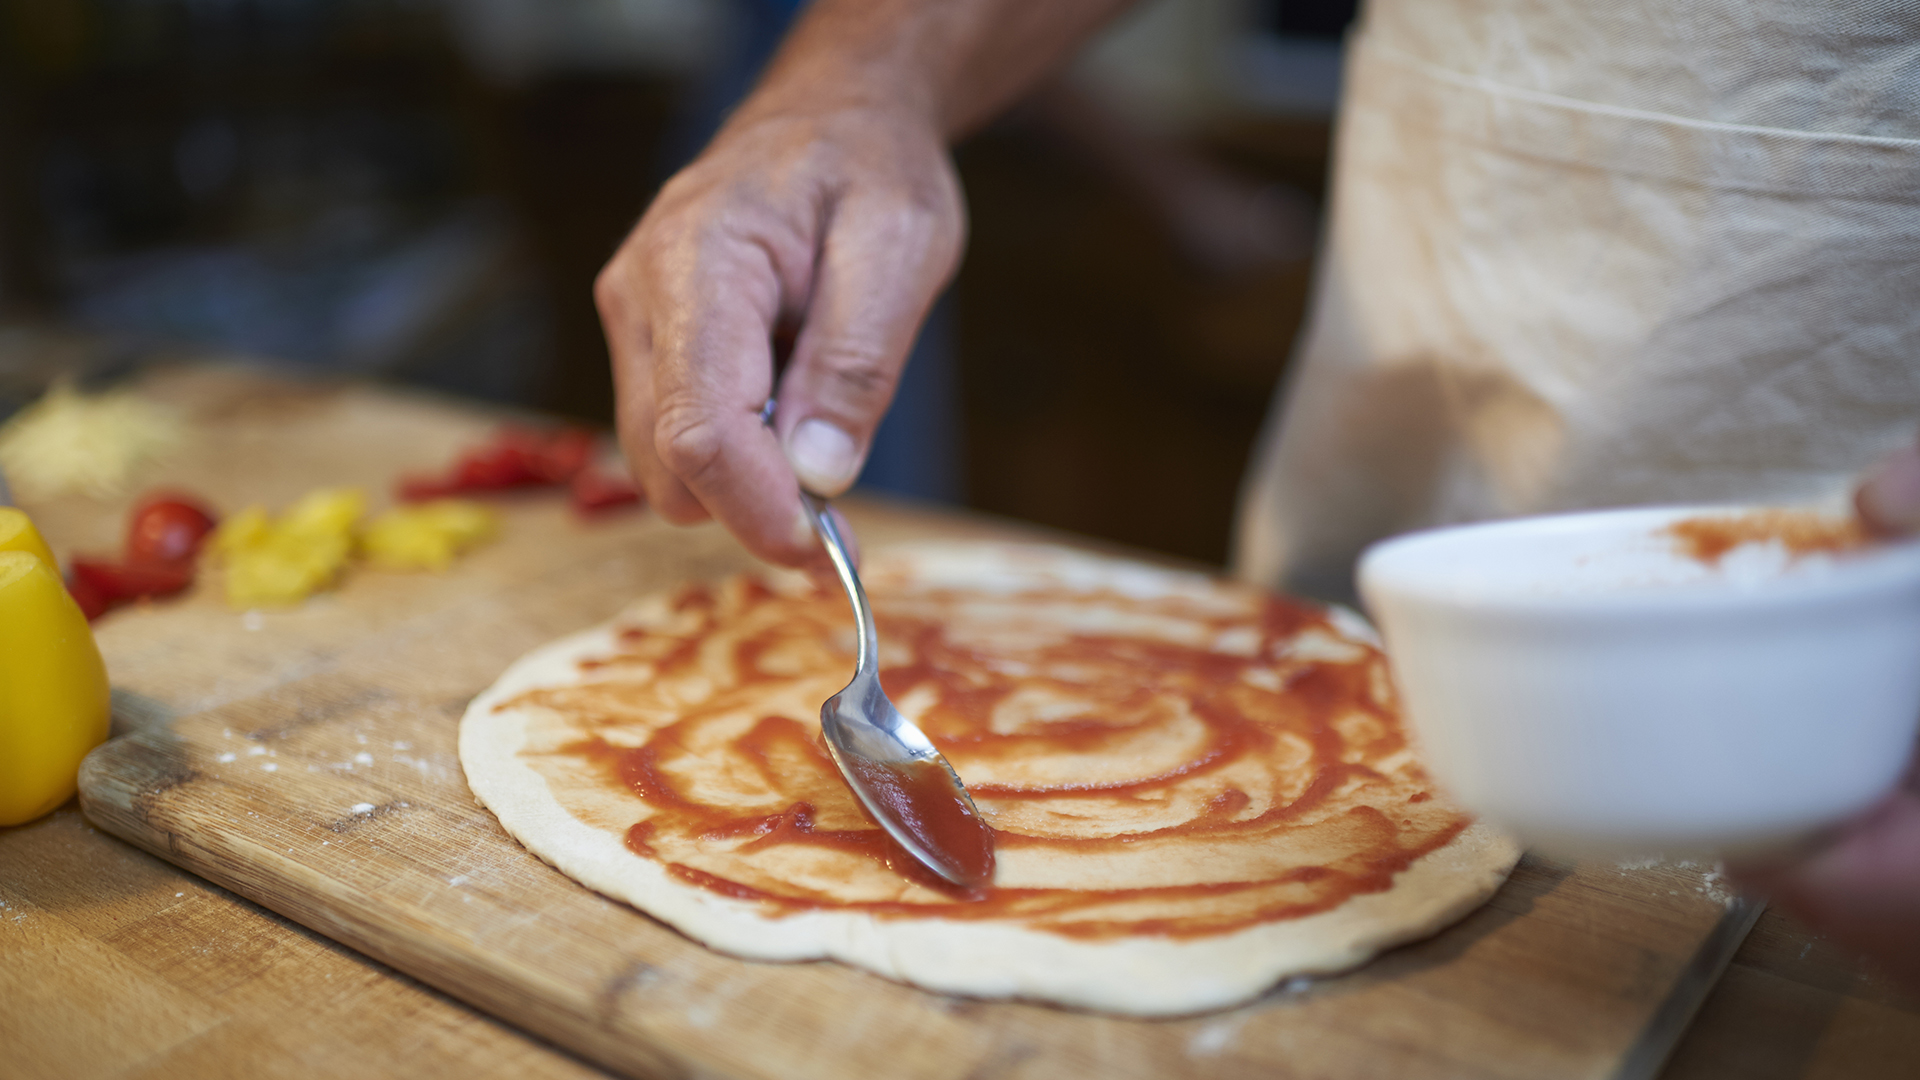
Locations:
(1579, 681)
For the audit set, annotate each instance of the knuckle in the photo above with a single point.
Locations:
(670, 231)
(857, 375)
(620, 286)
(666, 495)
(609, 292)
(927, 211)
(686, 439)
(908, 220)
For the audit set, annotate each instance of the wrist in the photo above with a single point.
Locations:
(848, 58)
(945, 66)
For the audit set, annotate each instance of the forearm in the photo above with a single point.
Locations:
(954, 63)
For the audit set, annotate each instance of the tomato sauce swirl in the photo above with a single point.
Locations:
(1179, 765)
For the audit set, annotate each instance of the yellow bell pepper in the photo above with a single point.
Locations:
(18, 534)
(276, 563)
(53, 688)
(427, 536)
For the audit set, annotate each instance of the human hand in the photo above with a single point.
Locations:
(827, 204)
(844, 220)
(1861, 886)
(1889, 499)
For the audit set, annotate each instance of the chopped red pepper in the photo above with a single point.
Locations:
(593, 491)
(522, 457)
(495, 468)
(419, 488)
(93, 603)
(563, 455)
(117, 581)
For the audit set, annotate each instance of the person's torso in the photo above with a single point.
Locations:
(1850, 66)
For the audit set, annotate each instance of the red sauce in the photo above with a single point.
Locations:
(1171, 749)
(1708, 539)
(921, 797)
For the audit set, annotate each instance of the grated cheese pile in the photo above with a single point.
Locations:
(86, 443)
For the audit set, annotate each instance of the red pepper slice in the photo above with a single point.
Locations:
(515, 457)
(564, 454)
(117, 581)
(495, 468)
(421, 488)
(593, 491)
(93, 603)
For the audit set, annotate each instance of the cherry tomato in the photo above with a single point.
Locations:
(168, 528)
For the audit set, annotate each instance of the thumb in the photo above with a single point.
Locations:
(877, 275)
(1889, 498)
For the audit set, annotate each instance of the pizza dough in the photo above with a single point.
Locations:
(1197, 789)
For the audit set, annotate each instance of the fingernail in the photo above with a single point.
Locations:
(1890, 499)
(823, 456)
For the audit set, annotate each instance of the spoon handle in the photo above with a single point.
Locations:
(866, 658)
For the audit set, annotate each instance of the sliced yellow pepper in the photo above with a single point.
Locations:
(54, 704)
(427, 536)
(278, 563)
(248, 528)
(326, 512)
(18, 534)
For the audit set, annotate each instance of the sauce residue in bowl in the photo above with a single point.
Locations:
(1708, 538)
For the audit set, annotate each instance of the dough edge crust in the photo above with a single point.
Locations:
(1145, 977)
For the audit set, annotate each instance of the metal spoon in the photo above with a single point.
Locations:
(895, 771)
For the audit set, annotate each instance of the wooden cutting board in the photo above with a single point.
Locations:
(306, 760)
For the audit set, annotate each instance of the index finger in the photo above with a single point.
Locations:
(713, 310)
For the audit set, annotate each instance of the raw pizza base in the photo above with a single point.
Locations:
(1138, 974)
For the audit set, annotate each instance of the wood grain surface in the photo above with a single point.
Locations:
(305, 760)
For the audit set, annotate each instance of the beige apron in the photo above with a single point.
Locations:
(1600, 252)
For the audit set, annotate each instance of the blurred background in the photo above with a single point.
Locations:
(423, 190)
